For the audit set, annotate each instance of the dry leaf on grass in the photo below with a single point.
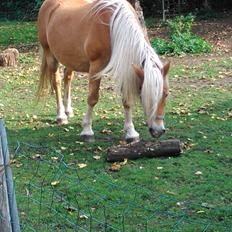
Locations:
(83, 216)
(115, 167)
(55, 183)
(54, 158)
(37, 157)
(97, 157)
(81, 165)
(198, 173)
(200, 211)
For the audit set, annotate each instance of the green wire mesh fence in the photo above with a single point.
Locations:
(54, 195)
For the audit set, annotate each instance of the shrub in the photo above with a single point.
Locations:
(182, 40)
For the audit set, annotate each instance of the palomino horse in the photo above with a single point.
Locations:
(101, 37)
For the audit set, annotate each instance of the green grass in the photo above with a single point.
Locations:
(152, 194)
(211, 69)
(14, 33)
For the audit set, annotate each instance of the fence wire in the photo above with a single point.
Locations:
(54, 195)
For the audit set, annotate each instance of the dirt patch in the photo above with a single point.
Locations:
(222, 83)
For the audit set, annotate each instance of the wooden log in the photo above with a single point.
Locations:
(136, 150)
(9, 57)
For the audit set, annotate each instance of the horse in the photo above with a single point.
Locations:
(101, 37)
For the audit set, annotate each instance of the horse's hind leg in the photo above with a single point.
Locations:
(68, 76)
(54, 75)
(87, 132)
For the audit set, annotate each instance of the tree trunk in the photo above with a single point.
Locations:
(206, 4)
(141, 149)
(137, 6)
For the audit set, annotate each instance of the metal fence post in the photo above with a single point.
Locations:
(14, 219)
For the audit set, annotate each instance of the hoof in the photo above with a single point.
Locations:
(62, 121)
(132, 140)
(69, 114)
(87, 138)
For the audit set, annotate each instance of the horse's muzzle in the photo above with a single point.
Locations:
(156, 133)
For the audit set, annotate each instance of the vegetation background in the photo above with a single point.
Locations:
(27, 9)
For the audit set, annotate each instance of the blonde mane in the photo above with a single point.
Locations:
(129, 46)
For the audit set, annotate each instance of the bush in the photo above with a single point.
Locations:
(182, 40)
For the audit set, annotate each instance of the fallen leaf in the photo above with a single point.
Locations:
(93, 209)
(171, 193)
(200, 211)
(180, 203)
(54, 158)
(34, 118)
(124, 162)
(198, 173)
(55, 183)
(81, 165)
(83, 216)
(50, 135)
(37, 157)
(18, 165)
(97, 157)
(115, 167)
(99, 148)
(123, 142)
(105, 131)
(78, 142)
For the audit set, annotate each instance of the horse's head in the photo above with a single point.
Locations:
(155, 122)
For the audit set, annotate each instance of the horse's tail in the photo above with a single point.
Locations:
(43, 87)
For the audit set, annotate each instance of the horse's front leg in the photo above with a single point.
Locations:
(130, 133)
(87, 133)
(68, 76)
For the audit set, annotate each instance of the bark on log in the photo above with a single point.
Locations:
(166, 148)
(9, 57)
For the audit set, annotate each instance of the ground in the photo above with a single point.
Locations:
(63, 184)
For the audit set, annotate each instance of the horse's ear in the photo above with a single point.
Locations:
(139, 73)
(166, 68)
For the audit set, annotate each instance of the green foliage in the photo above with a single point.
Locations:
(150, 22)
(181, 25)
(17, 33)
(182, 40)
(161, 46)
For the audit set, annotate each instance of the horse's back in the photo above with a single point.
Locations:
(64, 28)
